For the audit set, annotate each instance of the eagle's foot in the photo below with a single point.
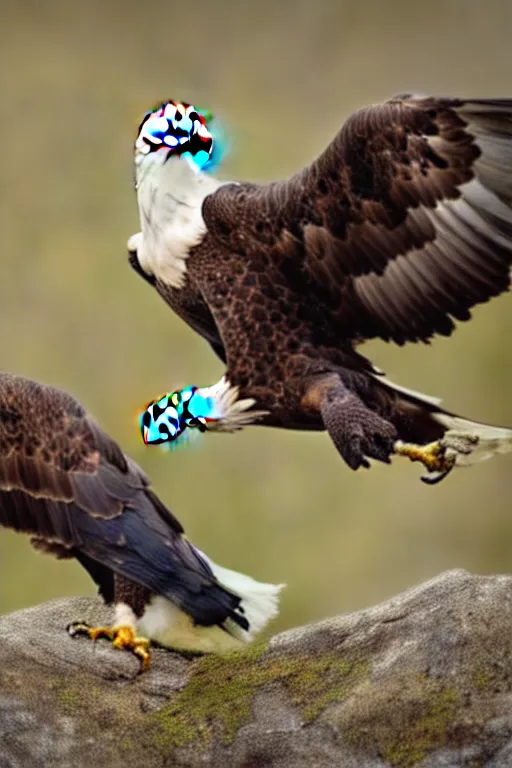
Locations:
(438, 457)
(121, 637)
(358, 433)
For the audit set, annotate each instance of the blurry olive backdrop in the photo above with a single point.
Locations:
(281, 76)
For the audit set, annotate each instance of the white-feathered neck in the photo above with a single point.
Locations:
(170, 194)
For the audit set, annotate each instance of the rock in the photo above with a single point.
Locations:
(421, 680)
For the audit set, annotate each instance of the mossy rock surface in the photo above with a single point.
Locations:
(422, 681)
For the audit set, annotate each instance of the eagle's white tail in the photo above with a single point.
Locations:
(167, 624)
(260, 602)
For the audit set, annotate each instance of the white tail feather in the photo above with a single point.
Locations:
(171, 627)
(486, 440)
(260, 601)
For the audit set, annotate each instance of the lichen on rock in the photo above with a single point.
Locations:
(221, 689)
(421, 681)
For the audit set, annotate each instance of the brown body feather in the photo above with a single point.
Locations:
(400, 227)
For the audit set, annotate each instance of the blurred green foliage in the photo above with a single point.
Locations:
(76, 77)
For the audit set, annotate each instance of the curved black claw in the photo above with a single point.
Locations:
(433, 478)
(77, 628)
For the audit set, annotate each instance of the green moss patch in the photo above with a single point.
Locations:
(426, 733)
(402, 720)
(74, 695)
(221, 690)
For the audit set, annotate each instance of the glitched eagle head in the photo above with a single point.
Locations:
(160, 422)
(178, 129)
(165, 420)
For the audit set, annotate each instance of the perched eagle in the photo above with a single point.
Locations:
(395, 231)
(69, 485)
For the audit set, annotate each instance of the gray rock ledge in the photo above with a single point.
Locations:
(423, 680)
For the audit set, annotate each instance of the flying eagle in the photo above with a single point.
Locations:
(71, 488)
(394, 232)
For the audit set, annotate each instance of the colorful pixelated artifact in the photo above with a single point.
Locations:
(181, 129)
(215, 408)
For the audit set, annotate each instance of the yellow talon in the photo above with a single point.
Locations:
(125, 638)
(433, 456)
(96, 632)
(122, 638)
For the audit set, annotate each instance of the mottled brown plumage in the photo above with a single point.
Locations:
(71, 488)
(400, 227)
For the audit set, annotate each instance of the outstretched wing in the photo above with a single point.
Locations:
(69, 485)
(402, 224)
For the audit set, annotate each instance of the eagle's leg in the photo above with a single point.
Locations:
(438, 458)
(130, 602)
(358, 432)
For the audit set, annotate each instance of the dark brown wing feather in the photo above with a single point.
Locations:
(69, 485)
(51, 449)
(401, 225)
(187, 303)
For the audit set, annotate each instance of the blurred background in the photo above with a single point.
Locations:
(76, 78)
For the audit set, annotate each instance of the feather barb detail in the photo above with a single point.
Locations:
(226, 413)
